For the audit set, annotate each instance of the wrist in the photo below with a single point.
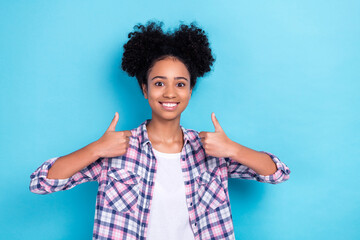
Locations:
(94, 150)
(234, 149)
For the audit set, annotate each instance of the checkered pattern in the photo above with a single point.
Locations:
(126, 185)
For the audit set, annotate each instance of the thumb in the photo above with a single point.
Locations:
(113, 122)
(216, 123)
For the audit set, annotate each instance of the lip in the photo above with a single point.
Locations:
(169, 108)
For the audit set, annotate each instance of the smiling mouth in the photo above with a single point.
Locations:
(169, 105)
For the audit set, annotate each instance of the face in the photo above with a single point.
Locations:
(168, 89)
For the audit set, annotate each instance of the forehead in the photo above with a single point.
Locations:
(169, 66)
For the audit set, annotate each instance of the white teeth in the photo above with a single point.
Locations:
(169, 104)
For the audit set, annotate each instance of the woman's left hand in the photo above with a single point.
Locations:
(216, 144)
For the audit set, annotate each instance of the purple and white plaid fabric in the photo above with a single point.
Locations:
(126, 185)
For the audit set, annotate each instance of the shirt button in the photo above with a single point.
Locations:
(183, 159)
(191, 204)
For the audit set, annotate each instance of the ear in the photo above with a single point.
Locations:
(191, 91)
(144, 89)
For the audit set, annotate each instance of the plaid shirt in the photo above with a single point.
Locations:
(126, 185)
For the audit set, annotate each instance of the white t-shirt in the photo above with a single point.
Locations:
(169, 217)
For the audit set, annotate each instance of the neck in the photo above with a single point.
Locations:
(164, 131)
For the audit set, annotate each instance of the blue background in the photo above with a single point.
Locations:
(285, 80)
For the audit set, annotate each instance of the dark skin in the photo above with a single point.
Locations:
(168, 82)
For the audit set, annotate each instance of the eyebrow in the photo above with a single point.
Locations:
(163, 77)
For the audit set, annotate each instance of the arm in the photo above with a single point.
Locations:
(63, 173)
(260, 162)
(67, 166)
(243, 162)
(83, 165)
(249, 166)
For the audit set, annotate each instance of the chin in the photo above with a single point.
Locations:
(169, 116)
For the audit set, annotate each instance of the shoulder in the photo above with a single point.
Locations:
(193, 137)
(192, 134)
(138, 134)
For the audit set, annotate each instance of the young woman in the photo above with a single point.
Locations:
(160, 180)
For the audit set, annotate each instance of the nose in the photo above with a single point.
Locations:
(169, 92)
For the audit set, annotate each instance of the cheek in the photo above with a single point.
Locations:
(153, 93)
(186, 95)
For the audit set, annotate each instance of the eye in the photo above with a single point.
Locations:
(181, 84)
(159, 84)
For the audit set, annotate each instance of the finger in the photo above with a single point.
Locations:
(113, 122)
(216, 123)
(202, 135)
(128, 134)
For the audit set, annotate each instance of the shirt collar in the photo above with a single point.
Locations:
(142, 134)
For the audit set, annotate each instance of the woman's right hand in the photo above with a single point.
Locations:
(112, 143)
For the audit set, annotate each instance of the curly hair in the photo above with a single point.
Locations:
(149, 44)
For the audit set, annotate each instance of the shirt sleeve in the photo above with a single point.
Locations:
(40, 184)
(238, 170)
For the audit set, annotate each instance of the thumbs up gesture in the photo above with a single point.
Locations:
(216, 144)
(113, 143)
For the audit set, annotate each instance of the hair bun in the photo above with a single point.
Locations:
(147, 43)
(194, 47)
